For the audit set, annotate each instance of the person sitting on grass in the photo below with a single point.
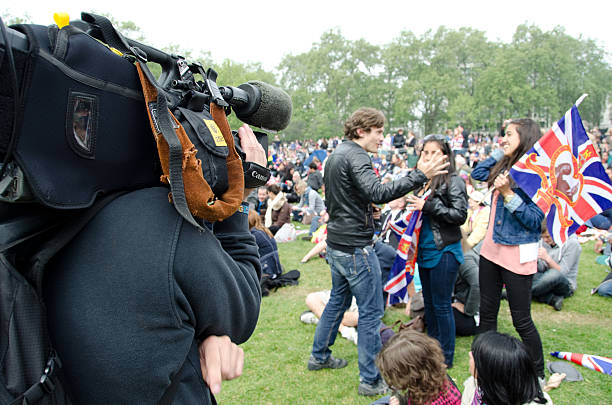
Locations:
(279, 210)
(266, 245)
(311, 204)
(502, 373)
(412, 364)
(557, 270)
(317, 250)
(316, 302)
(466, 296)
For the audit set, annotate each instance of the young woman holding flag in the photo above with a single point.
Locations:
(439, 249)
(510, 249)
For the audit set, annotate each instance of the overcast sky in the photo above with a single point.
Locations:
(266, 30)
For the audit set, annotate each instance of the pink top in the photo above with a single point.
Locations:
(506, 256)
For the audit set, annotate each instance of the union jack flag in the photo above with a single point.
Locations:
(404, 265)
(597, 363)
(564, 176)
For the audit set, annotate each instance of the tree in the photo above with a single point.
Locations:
(10, 19)
(327, 83)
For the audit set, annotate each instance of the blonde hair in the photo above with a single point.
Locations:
(300, 187)
(413, 362)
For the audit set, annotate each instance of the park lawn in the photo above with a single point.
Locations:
(276, 354)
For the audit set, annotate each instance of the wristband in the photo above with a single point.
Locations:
(244, 208)
(255, 175)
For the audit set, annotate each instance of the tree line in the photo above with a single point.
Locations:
(445, 78)
(430, 82)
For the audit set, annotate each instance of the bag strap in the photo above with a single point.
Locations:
(179, 159)
(8, 50)
(62, 237)
(191, 194)
(46, 385)
(163, 118)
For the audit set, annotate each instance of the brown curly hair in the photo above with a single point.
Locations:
(413, 362)
(364, 118)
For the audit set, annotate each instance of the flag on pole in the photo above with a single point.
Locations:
(564, 176)
(404, 265)
(597, 363)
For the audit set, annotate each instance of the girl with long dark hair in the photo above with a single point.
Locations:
(439, 249)
(510, 250)
(502, 373)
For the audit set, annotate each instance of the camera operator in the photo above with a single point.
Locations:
(142, 306)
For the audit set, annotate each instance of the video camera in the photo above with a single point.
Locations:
(56, 70)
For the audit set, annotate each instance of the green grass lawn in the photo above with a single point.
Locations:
(276, 355)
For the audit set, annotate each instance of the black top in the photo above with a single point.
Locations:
(132, 295)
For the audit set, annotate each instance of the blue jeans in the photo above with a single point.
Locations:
(605, 289)
(438, 285)
(314, 224)
(550, 283)
(358, 275)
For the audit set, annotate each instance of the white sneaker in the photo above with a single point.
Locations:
(349, 333)
(308, 317)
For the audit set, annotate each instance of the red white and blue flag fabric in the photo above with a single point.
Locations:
(597, 363)
(404, 265)
(564, 176)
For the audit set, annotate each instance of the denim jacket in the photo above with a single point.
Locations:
(517, 222)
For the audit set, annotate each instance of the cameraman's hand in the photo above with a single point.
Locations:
(434, 166)
(220, 360)
(253, 150)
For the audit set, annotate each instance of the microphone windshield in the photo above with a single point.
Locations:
(272, 106)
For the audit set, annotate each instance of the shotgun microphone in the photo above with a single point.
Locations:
(260, 104)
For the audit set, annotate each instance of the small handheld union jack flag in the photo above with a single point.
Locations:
(597, 363)
(404, 265)
(564, 176)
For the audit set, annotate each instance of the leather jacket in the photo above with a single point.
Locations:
(351, 186)
(447, 211)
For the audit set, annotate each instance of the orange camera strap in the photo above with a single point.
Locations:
(182, 170)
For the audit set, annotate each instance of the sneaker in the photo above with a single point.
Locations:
(380, 388)
(306, 237)
(557, 302)
(331, 362)
(309, 318)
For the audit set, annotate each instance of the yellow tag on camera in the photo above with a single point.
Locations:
(215, 132)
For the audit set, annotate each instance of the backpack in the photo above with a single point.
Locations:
(30, 236)
(268, 283)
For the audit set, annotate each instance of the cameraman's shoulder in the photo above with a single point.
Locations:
(143, 202)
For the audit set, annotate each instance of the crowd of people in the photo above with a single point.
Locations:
(481, 240)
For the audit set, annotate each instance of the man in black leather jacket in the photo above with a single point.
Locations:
(351, 186)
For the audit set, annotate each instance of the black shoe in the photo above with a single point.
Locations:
(306, 237)
(380, 388)
(331, 362)
(557, 302)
